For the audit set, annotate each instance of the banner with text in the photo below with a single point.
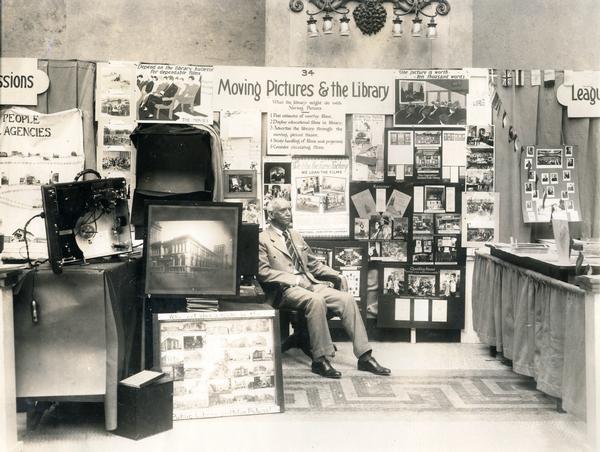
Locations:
(35, 149)
(309, 90)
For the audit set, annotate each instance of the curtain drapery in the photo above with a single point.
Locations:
(538, 119)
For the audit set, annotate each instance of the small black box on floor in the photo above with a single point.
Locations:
(145, 411)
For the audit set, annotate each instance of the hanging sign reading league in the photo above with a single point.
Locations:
(581, 94)
(21, 81)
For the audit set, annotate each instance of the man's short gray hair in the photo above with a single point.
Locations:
(278, 204)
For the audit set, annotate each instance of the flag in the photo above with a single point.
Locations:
(507, 78)
(549, 77)
(519, 77)
(493, 77)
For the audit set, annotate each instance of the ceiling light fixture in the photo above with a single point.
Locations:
(370, 16)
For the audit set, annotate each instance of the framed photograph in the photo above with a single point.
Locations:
(567, 175)
(449, 283)
(568, 151)
(239, 184)
(550, 192)
(545, 178)
(554, 178)
(570, 162)
(191, 248)
(571, 187)
(222, 363)
(530, 151)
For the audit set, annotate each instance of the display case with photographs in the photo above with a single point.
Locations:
(191, 248)
(420, 297)
(222, 363)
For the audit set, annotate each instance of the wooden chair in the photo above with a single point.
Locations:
(189, 96)
(170, 107)
(297, 319)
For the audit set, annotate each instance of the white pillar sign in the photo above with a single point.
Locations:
(21, 81)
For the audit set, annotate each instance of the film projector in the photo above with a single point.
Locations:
(86, 219)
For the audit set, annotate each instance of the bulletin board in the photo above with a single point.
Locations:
(549, 187)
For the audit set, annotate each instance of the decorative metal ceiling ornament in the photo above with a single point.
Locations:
(370, 16)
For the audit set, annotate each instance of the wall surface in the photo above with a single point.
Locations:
(287, 42)
(536, 34)
(157, 31)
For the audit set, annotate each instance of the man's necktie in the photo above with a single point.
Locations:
(292, 250)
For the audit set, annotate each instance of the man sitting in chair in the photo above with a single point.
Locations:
(287, 261)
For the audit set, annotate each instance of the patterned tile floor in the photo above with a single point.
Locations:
(441, 397)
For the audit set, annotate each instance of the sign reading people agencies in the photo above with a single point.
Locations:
(35, 149)
(581, 94)
(21, 81)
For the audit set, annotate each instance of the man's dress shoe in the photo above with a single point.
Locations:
(370, 365)
(325, 369)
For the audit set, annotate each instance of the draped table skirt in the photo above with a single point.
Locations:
(535, 321)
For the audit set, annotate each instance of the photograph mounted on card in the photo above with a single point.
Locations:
(420, 284)
(422, 250)
(239, 184)
(392, 280)
(367, 147)
(435, 199)
(449, 283)
(448, 223)
(480, 218)
(170, 93)
(549, 158)
(437, 99)
(394, 251)
(423, 223)
(446, 250)
(480, 136)
(399, 147)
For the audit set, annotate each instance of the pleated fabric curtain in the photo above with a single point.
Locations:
(72, 86)
(536, 322)
(538, 119)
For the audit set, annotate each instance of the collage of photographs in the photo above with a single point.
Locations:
(548, 184)
(219, 367)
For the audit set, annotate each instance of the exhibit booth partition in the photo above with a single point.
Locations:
(398, 179)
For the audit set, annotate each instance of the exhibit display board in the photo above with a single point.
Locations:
(381, 157)
(549, 188)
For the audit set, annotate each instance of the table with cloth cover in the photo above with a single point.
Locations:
(87, 334)
(535, 321)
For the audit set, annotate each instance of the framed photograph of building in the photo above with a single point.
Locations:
(239, 184)
(191, 248)
(222, 363)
